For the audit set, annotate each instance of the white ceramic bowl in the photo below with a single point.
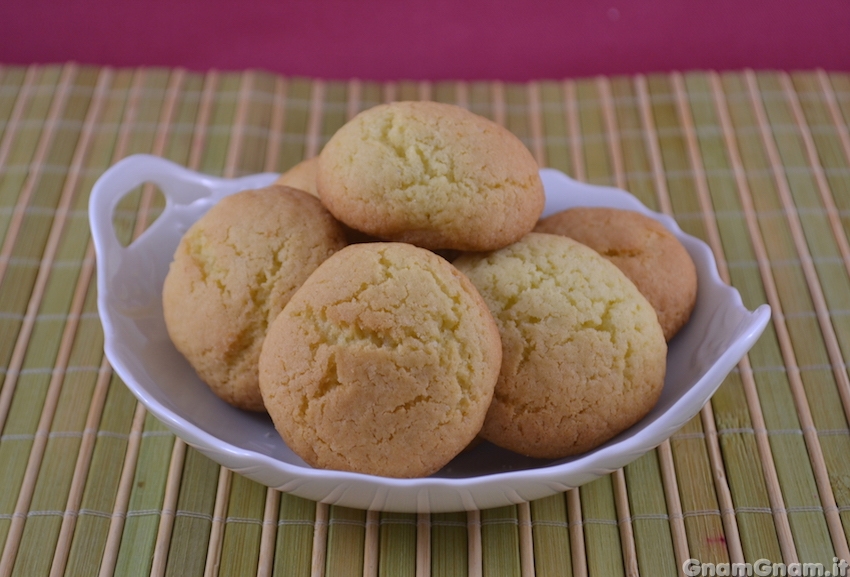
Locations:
(130, 279)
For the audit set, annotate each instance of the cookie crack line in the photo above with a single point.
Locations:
(412, 403)
(329, 380)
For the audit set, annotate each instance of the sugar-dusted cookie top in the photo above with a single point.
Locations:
(383, 362)
(583, 354)
(649, 254)
(431, 174)
(232, 272)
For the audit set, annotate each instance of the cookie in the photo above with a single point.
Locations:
(301, 176)
(233, 272)
(431, 174)
(583, 357)
(649, 254)
(383, 362)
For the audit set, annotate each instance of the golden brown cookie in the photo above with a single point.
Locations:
(233, 272)
(301, 176)
(383, 362)
(431, 174)
(583, 357)
(649, 254)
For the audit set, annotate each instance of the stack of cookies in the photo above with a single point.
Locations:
(398, 297)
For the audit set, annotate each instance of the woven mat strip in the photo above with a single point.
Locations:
(730, 522)
(651, 523)
(755, 164)
(791, 320)
(730, 536)
(15, 102)
(59, 430)
(20, 146)
(187, 553)
(826, 258)
(21, 249)
(736, 403)
(779, 394)
(820, 260)
(109, 435)
(752, 530)
(33, 385)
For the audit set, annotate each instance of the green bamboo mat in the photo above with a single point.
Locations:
(755, 163)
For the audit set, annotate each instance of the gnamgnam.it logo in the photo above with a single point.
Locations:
(765, 568)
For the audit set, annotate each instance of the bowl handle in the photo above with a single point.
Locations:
(178, 184)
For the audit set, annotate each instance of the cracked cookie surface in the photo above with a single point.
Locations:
(233, 272)
(383, 362)
(649, 254)
(431, 174)
(583, 354)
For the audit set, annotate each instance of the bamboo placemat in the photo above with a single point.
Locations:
(757, 164)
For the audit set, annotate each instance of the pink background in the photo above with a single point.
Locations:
(439, 39)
